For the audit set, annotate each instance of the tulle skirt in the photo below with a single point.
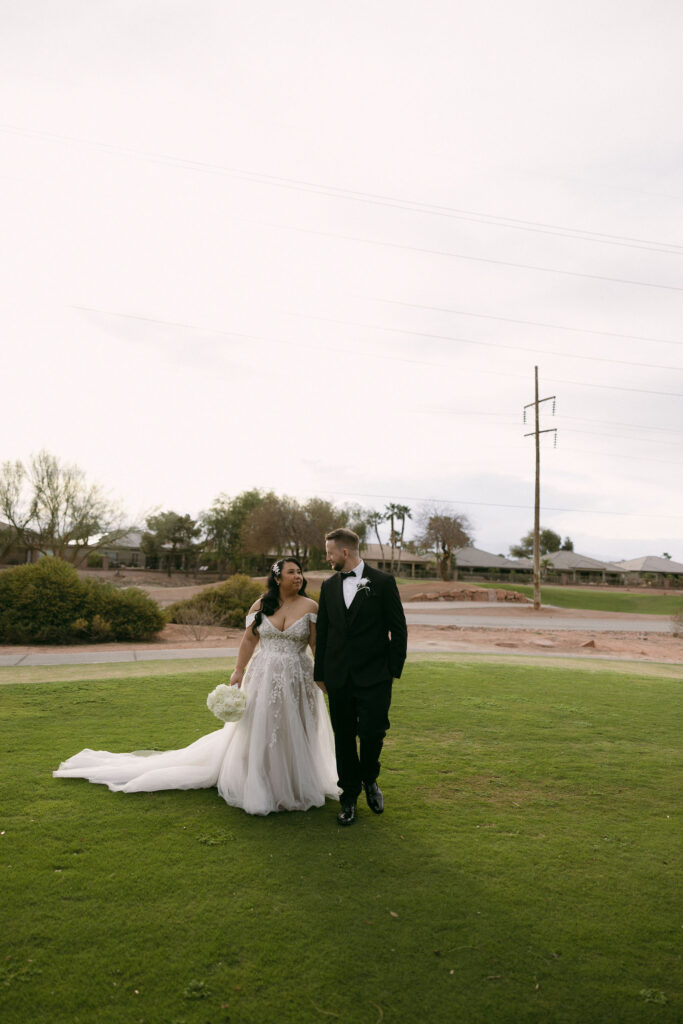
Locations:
(278, 757)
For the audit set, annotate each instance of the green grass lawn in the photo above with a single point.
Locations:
(600, 600)
(525, 869)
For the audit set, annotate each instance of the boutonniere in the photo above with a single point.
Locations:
(363, 586)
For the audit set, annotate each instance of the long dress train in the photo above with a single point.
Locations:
(278, 757)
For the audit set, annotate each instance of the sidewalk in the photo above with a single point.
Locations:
(102, 657)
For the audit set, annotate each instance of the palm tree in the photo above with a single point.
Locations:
(404, 512)
(374, 520)
(392, 512)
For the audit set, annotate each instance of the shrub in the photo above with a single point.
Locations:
(226, 605)
(47, 603)
(117, 614)
(39, 602)
(677, 623)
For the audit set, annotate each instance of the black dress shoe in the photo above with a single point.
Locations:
(373, 795)
(347, 815)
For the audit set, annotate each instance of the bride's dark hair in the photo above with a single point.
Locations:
(270, 602)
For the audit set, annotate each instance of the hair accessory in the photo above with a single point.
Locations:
(275, 569)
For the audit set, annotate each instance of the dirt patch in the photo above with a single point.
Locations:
(634, 646)
(469, 594)
(426, 639)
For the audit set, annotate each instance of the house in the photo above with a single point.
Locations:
(637, 568)
(582, 569)
(13, 551)
(417, 566)
(472, 561)
(124, 551)
(469, 561)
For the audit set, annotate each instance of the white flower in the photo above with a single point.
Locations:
(227, 703)
(363, 584)
(275, 568)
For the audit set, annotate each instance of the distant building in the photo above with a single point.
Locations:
(583, 569)
(417, 566)
(636, 568)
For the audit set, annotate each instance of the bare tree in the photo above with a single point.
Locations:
(197, 621)
(51, 508)
(444, 530)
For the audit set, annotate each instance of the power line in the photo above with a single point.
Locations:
(270, 341)
(498, 504)
(509, 418)
(617, 455)
(462, 256)
(363, 352)
(526, 323)
(619, 437)
(620, 423)
(376, 199)
(486, 344)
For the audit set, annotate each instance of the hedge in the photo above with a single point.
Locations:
(225, 605)
(48, 603)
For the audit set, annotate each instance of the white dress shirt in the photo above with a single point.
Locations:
(350, 584)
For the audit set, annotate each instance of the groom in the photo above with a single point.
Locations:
(360, 649)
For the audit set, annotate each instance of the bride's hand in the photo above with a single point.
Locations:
(236, 679)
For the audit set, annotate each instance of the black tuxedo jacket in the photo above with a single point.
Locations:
(368, 641)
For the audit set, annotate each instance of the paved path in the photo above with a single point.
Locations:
(505, 616)
(100, 657)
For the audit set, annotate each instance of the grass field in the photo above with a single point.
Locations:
(600, 600)
(525, 869)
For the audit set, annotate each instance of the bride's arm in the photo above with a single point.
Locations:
(247, 648)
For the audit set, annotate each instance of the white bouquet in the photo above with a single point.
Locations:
(227, 703)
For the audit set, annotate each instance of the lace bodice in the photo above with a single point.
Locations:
(294, 639)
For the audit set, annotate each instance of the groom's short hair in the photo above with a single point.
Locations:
(344, 538)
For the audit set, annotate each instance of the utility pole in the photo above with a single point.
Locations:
(536, 432)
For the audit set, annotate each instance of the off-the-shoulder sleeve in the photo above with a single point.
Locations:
(250, 618)
(313, 616)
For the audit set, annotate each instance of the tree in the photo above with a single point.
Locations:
(166, 529)
(567, 544)
(50, 508)
(549, 542)
(444, 530)
(665, 554)
(357, 518)
(266, 529)
(403, 513)
(319, 517)
(223, 526)
(374, 521)
(391, 513)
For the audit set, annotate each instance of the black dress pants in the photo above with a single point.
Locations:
(363, 712)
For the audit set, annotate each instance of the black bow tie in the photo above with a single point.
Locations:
(346, 575)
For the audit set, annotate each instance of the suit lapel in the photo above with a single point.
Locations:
(336, 586)
(358, 601)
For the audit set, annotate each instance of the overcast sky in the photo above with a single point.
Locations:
(319, 248)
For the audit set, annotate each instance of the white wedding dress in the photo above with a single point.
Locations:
(278, 757)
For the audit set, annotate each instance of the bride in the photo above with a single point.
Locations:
(280, 755)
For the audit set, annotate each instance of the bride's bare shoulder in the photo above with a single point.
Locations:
(311, 605)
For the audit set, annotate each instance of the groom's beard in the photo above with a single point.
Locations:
(338, 566)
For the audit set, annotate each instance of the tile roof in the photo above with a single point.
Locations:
(651, 563)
